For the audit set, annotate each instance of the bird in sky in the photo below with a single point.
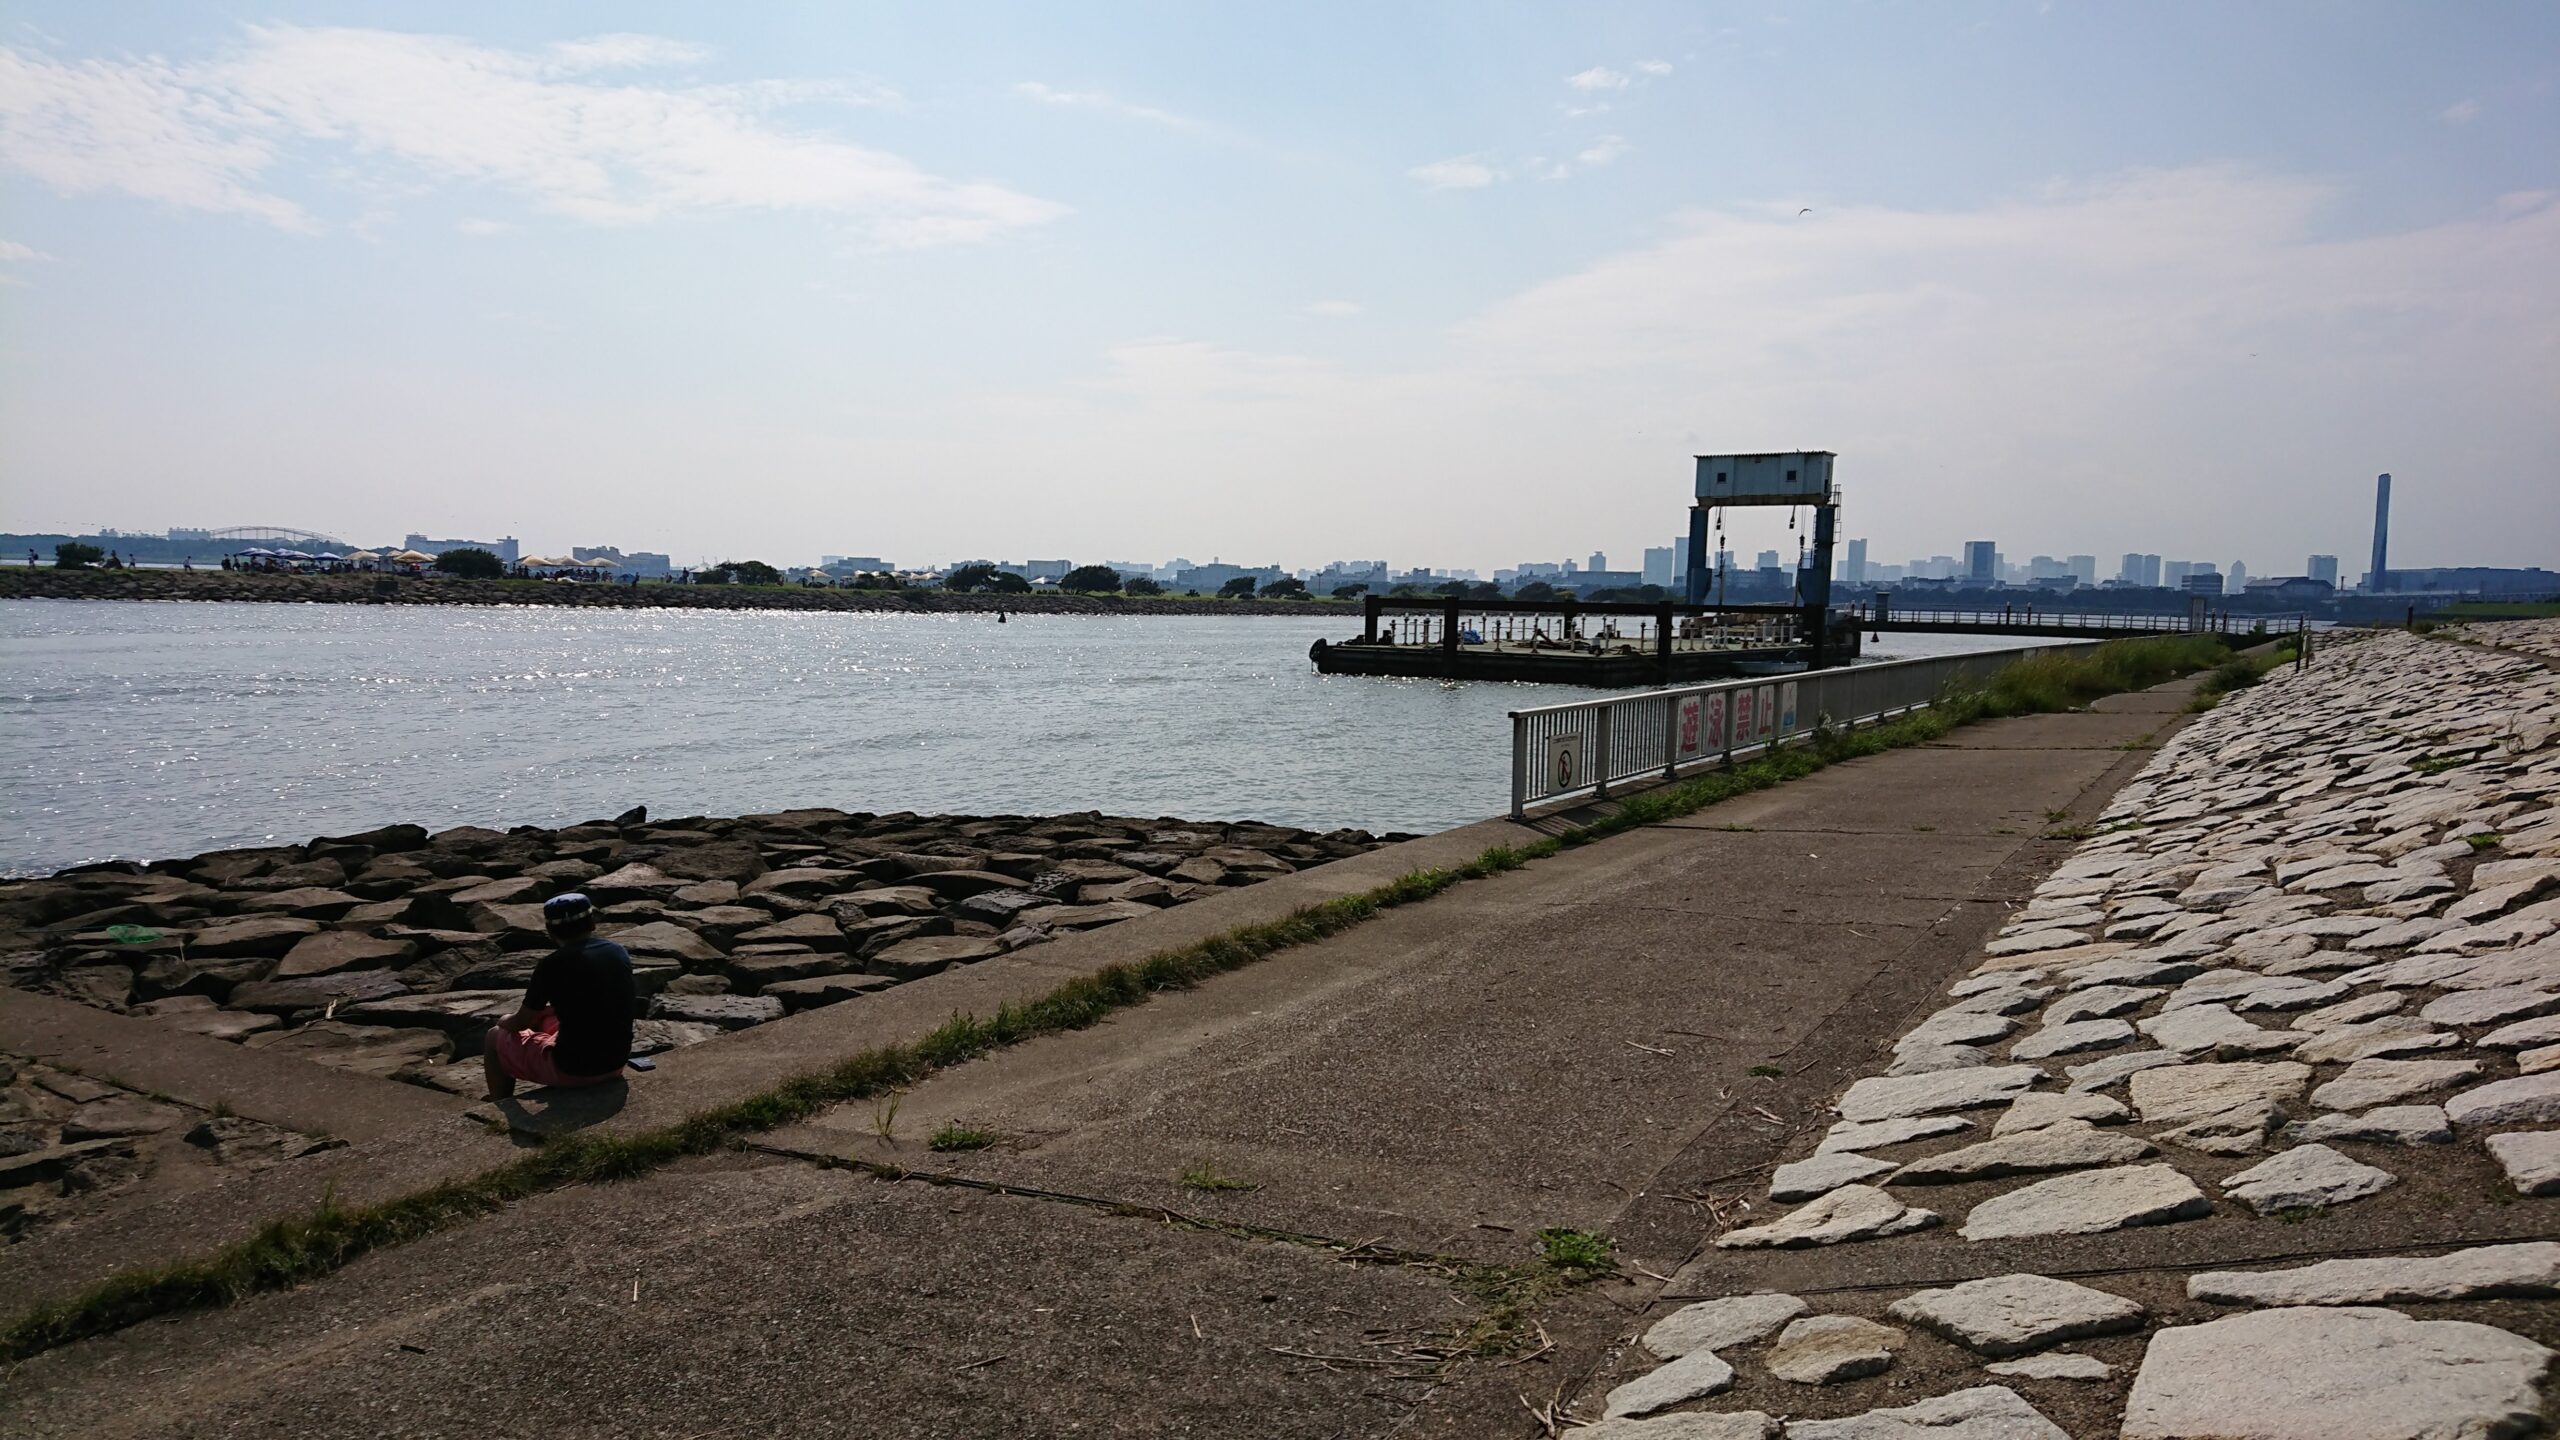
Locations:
(1804, 212)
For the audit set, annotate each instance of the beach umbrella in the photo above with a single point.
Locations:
(255, 550)
(359, 556)
(412, 557)
(599, 565)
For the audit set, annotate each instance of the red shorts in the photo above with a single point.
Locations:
(526, 1054)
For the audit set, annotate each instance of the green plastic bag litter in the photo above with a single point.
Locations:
(132, 934)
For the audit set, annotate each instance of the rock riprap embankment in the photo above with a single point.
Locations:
(392, 950)
(2307, 966)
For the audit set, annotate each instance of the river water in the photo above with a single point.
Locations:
(140, 730)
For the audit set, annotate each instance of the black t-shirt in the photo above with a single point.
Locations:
(589, 988)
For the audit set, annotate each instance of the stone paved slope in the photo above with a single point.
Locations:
(2298, 997)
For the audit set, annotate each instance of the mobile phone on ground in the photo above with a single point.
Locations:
(641, 1062)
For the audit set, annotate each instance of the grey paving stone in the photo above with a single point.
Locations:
(2352, 1373)
(2063, 1145)
(2199, 1091)
(1956, 1027)
(1852, 1212)
(2494, 1006)
(2213, 1030)
(2100, 1002)
(2524, 1034)
(1720, 1324)
(1693, 1376)
(2011, 1314)
(2372, 1039)
(2368, 1083)
(2070, 1039)
(2057, 1366)
(1877, 1134)
(1933, 1059)
(2531, 1159)
(2034, 1110)
(2100, 1074)
(1986, 1412)
(2089, 1204)
(1826, 1349)
(1899, 1097)
(2389, 1125)
(2525, 1100)
(2526, 1271)
(2306, 1177)
(1822, 1173)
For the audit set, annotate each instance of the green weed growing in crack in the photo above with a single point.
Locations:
(1577, 1250)
(2483, 842)
(1205, 1176)
(884, 1119)
(956, 1136)
(1766, 1071)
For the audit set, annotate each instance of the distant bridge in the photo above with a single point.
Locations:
(1879, 616)
(270, 535)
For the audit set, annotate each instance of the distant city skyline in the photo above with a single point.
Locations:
(1283, 284)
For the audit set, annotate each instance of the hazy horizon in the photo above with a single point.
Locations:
(1433, 284)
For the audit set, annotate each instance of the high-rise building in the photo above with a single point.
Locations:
(2378, 579)
(1661, 564)
(1599, 561)
(1768, 560)
(2084, 568)
(2239, 578)
(2323, 568)
(2175, 572)
(1981, 562)
(2129, 572)
(1855, 571)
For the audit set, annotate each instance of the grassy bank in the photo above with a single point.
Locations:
(293, 1251)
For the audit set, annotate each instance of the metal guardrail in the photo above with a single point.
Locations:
(2215, 622)
(1586, 746)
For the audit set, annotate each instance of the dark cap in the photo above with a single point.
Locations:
(570, 909)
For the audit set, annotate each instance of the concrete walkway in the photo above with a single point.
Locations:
(1574, 1044)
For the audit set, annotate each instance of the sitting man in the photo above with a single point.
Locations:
(574, 1027)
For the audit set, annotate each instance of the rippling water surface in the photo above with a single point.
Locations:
(154, 729)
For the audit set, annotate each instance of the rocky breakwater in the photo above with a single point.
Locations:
(391, 951)
(21, 583)
(2298, 997)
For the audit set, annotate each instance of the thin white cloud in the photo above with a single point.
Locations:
(2460, 112)
(479, 226)
(1109, 104)
(11, 251)
(1655, 68)
(1598, 77)
(622, 52)
(1604, 150)
(217, 135)
(1335, 309)
(1459, 174)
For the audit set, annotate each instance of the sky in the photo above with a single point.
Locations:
(1456, 284)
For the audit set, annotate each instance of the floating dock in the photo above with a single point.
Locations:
(1604, 644)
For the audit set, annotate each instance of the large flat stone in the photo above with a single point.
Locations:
(2035, 1111)
(2527, 1271)
(2012, 1314)
(1852, 1212)
(2368, 1083)
(1720, 1324)
(2525, 1100)
(1826, 1349)
(1693, 1376)
(333, 950)
(2200, 1091)
(2089, 1204)
(2335, 1374)
(1986, 1412)
(2368, 1039)
(2062, 1145)
(2071, 1039)
(2531, 1159)
(1877, 1134)
(1897, 1097)
(2306, 1177)
(2214, 1030)
(1822, 1173)
(2389, 1125)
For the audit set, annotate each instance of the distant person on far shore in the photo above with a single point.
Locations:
(574, 1027)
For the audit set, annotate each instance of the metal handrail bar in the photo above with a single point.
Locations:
(1579, 746)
